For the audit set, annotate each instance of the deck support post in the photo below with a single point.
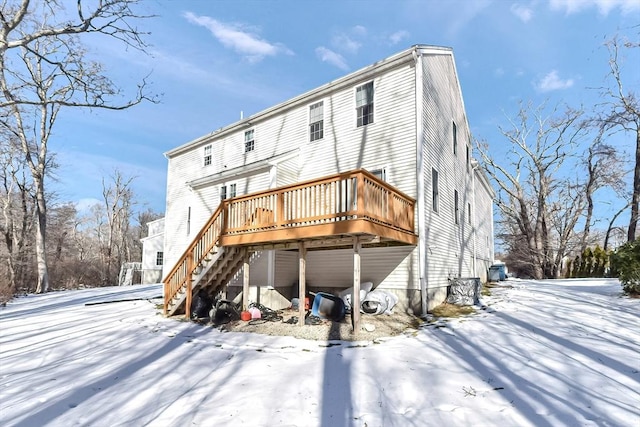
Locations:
(302, 286)
(245, 280)
(355, 296)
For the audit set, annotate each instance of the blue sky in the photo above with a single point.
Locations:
(212, 60)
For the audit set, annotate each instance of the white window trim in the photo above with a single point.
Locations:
(244, 141)
(209, 155)
(309, 120)
(355, 103)
(383, 172)
(435, 190)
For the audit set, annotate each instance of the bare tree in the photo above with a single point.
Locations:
(118, 199)
(17, 213)
(44, 68)
(532, 197)
(602, 163)
(622, 112)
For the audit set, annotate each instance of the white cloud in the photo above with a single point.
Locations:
(333, 58)
(552, 81)
(604, 6)
(398, 36)
(499, 72)
(239, 38)
(523, 13)
(359, 30)
(349, 41)
(345, 43)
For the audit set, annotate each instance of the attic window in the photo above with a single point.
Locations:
(364, 104)
(207, 155)
(249, 143)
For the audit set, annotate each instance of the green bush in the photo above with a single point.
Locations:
(625, 264)
(591, 263)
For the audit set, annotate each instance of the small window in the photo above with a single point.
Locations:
(468, 156)
(316, 121)
(434, 189)
(456, 207)
(232, 190)
(207, 155)
(223, 192)
(379, 173)
(189, 220)
(364, 104)
(455, 138)
(469, 213)
(159, 258)
(249, 143)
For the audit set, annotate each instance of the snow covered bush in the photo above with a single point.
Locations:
(625, 264)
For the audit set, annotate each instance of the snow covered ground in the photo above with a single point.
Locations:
(543, 353)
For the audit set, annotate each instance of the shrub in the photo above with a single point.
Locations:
(625, 264)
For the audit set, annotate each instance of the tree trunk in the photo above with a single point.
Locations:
(41, 231)
(635, 199)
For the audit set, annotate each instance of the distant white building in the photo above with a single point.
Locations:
(153, 252)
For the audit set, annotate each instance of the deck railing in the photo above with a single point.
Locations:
(347, 196)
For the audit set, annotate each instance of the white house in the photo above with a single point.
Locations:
(152, 252)
(396, 130)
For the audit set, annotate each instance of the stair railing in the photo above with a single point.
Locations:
(181, 275)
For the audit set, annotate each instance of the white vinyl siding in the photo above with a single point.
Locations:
(385, 267)
(450, 248)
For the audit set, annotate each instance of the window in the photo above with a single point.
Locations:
(434, 189)
(379, 173)
(189, 220)
(456, 207)
(468, 156)
(159, 258)
(230, 194)
(469, 213)
(207, 155)
(316, 121)
(364, 104)
(455, 138)
(249, 143)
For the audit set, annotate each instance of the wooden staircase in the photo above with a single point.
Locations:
(318, 212)
(211, 275)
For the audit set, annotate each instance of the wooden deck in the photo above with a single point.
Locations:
(321, 213)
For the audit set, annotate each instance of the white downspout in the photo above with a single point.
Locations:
(473, 225)
(420, 208)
